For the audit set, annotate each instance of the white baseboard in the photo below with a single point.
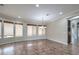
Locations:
(59, 41)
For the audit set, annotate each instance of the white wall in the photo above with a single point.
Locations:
(57, 31)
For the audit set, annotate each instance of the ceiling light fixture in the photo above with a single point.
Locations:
(42, 27)
(60, 13)
(37, 5)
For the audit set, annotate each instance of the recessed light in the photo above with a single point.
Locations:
(60, 13)
(37, 5)
(19, 17)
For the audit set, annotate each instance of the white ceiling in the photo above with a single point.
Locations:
(30, 13)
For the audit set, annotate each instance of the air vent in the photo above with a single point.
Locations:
(1, 4)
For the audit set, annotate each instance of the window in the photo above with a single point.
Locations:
(44, 31)
(0, 29)
(41, 30)
(18, 30)
(34, 30)
(8, 29)
(31, 30)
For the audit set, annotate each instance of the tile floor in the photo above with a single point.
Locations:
(38, 47)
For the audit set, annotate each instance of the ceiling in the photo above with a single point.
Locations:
(32, 14)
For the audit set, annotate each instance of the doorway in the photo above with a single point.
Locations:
(78, 32)
(69, 32)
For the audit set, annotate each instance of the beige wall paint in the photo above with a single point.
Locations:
(57, 31)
